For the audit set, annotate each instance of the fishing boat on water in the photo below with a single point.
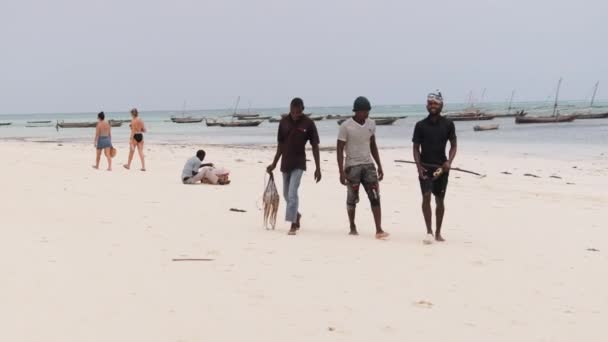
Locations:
(186, 119)
(469, 117)
(245, 118)
(5, 123)
(40, 122)
(91, 124)
(379, 122)
(592, 116)
(337, 117)
(589, 114)
(479, 128)
(242, 123)
(212, 123)
(544, 119)
(555, 118)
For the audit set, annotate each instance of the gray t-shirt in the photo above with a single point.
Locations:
(357, 138)
(192, 165)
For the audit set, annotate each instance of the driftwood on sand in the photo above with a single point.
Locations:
(438, 166)
(271, 203)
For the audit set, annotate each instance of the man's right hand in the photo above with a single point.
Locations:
(271, 168)
(343, 179)
(422, 172)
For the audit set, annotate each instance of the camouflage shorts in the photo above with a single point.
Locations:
(362, 174)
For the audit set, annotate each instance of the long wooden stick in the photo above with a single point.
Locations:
(438, 166)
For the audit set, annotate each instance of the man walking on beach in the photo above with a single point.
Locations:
(295, 130)
(357, 137)
(430, 139)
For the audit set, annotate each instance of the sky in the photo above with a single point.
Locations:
(85, 56)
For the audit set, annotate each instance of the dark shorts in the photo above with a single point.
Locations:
(104, 142)
(138, 137)
(437, 186)
(362, 174)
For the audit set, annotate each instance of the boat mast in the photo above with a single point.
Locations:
(597, 84)
(184, 109)
(483, 95)
(238, 99)
(559, 84)
(511, 101)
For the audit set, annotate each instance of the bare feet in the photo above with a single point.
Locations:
(109, 169)
(439, 238)
(293, 230)
(353, 230)
(143, 169)
(382, 235)
(95, 167)
(126, 167)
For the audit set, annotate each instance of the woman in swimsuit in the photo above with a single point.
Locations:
(136, 141)
(103, 140)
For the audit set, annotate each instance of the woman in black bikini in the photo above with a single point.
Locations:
(136, 140)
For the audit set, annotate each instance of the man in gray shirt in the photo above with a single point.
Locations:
(194, 171)
(357, 138)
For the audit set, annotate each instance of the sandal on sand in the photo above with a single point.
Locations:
(429, 239)
(382, 236)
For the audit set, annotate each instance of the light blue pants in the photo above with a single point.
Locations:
(291, 183)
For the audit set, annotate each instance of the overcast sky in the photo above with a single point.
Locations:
(82, 55)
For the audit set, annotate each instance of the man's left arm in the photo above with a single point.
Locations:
(376, 156)
(453, 148)
(314, 141)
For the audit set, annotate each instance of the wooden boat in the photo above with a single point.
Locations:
(544, 119)
(469, 117)
(245, 123)
(37, 124)
(274, 120)
(337, 117)
(5, 123)
(186, 119)
(91, 124)
(244, 118)
(40, 122)
(316, 118)
(510, 115)
(121, 120)
(379, 122)
(592, 116)
(212, 123)
(479, 128)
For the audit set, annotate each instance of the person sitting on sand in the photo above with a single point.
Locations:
(196, 172)
(136, 140)
(357, 137)
(103, 140)
(430, 139)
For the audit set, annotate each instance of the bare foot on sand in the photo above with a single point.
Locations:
(428, 239)
(382, 235)
(293, 230)
(439, 238)
(126, 167)
(95, 167)
(143, 169)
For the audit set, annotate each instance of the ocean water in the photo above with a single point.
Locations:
(533, 139)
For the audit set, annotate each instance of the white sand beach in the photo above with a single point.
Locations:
(86, 255)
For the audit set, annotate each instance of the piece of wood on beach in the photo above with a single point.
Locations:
(192, 259)
(238, 210)
(438, 166)
(506, 173)
(531, 175)
(556, 177)
(593, 250)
